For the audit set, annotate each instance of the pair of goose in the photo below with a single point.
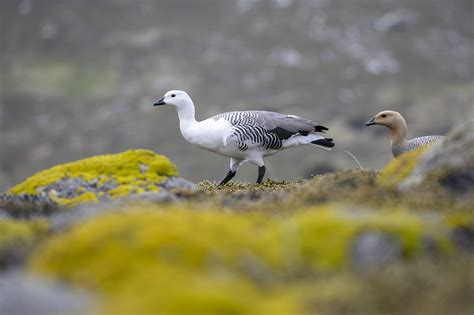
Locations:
(249, 136)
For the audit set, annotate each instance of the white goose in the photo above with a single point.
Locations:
(244, 136)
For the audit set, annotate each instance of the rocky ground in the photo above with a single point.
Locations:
(123, 234)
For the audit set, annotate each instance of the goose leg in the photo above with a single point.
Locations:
(261, 173)
(228, 177)
(234, 165)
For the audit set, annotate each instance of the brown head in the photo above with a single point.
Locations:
(388, 118)
(393, 121)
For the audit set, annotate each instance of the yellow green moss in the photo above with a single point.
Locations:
(172, 291)
(187, 239)
(19, 231)
(400, 168)
(83, 198)
(465, 219)
(172, 261)
(17, 237)
(130, 171)
(326, 233)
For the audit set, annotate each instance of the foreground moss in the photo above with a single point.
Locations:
(17, 237)
(100, 177)
(148, 259)
(400, 168)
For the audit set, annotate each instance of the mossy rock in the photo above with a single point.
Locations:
(446, 166)
(165, 260)
(17, 238)
(400, 168)
(449, 165)
(99, 178)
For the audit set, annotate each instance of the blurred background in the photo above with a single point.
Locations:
(78, 78)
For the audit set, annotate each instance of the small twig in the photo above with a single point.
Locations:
(354, 158)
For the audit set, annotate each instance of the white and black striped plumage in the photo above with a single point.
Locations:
(268, 130)
(244, 136)
(397, 125)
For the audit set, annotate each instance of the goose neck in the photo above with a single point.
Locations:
(398, 133)
(186, 116)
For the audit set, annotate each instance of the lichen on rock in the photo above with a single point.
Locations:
(213, 262)
(400, 168)
(99, 178)
(17, 238)
(450, 164)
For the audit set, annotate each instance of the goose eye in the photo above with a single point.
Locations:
(383, 116)
(173, 95)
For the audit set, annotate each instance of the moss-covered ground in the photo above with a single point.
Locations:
(156, 259)
(18, 237)
(367, 188)
(274, 248)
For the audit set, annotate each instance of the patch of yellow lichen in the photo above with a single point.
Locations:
(82, 198)
(132, 171)
(174, 291)
(165, 260)
(327, 232)
(463, 219)
(18, 236)
(21, 231)
(400, 168)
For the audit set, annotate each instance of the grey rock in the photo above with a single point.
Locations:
(26, 206)
(4, 214)
(158, 197)
(40, 205)
(429, 247)
(178, 182)
(69, 187)
(374, 249)
(20, 295)
(64, 219)
(463, 237)
(454, 156)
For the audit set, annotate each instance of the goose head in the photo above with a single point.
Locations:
(179, 99)
(387, 118)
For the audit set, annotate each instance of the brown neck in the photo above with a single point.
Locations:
(398, 133)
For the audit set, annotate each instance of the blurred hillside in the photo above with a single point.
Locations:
(78, 78)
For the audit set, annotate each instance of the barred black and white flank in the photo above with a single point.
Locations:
(245, 136)
(397, 125)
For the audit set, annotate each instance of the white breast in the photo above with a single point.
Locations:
(208, 134)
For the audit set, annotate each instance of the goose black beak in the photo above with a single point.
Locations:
(371, 122)
(160, 102)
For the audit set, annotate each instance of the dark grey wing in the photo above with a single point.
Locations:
(285, 126)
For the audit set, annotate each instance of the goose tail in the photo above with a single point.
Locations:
(325, 143)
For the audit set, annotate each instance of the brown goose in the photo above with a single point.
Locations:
(395, 122)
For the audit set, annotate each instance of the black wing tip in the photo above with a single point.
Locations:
(320, 128)
(327, 142)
